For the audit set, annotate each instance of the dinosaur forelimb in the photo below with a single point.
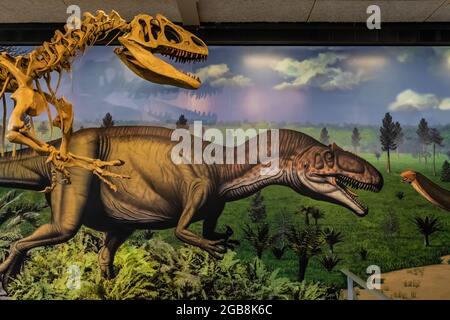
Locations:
(96, 166)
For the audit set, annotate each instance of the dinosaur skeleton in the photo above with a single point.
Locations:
(143, 37)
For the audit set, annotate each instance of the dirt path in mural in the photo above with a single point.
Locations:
(422, 283)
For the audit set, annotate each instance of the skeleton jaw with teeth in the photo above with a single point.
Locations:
(150, 36)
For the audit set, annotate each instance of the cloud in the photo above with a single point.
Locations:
(236, 81)
(320, 71)
(442, 64)
(404, 56)
(409, 100)
(260, 61)
(218, 75)
(212, 71)
(445, 104)
(367, 62)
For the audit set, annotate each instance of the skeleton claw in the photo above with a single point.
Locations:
(62, 161)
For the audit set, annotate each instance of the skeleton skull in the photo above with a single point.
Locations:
(148, 36)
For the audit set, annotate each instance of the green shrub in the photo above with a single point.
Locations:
(5, 242)
(363, 253)
(154, 270)
(445, 174)
(391, 224)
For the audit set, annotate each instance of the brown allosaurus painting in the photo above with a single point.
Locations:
(161, 194)
(427, 189)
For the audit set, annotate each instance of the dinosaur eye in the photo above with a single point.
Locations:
(144, 30)
(197, 41)
(155, 28)
(329, 158)
(171, 35)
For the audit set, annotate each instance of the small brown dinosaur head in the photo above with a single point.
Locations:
(408, 176)
(148, 36)
(329, 172)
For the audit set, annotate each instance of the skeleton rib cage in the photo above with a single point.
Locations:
(57, 54)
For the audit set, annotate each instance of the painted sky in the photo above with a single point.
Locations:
(281, 83)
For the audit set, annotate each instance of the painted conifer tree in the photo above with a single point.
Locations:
(107, 121)
(257, 210)
(423, 132)
(356, 139)
(389, 132)
(436, 139)
(324, 136)
(258, 232)
(182, 122)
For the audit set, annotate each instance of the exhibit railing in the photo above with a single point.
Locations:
(352, 278)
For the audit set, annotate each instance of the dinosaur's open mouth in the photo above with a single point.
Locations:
(145, 64)
(345, 183)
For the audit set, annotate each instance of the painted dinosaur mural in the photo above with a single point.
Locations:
(168, 195)
(427, 189)
(141, 39)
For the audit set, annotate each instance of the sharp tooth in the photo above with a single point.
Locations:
(352, 193)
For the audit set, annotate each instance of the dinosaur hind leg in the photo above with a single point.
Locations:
(48, 234)
(113, 240)
(68, 203)
(212, 213)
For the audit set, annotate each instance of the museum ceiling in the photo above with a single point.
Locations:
(194, 12)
